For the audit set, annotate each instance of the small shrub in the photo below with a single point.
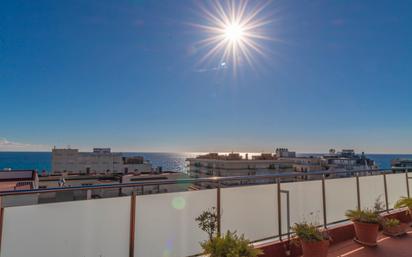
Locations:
(309, 232)
(229, 245)
(207, 221)
(390, 223)
(378, 205)
(364, 216)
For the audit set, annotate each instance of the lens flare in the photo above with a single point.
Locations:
(233, 31)
(179, 203)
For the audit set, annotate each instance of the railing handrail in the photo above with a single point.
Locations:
(193, 180)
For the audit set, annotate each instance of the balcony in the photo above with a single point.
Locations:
(163, 225)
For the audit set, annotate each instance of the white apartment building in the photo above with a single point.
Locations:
(233, 164)
(100, 161)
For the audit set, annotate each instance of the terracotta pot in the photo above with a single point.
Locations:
(315, 249)
(366, 233)
(397, 230)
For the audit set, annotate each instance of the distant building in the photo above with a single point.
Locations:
(18, 180)
(401, 163)
(234, 164)
(100, 161)
(11, 180)
(281, 161)
(79, 180)
(347, 159)
(284, 153)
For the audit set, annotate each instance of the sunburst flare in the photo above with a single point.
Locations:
(234, 31)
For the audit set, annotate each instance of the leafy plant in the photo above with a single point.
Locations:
(390, 223)
(378, 205)
(207, 221)
(229, 245)
(364, 216)
(404, 202)
(309, 232)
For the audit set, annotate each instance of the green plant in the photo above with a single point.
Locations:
(309, 232)
(404, 202)
(364, 216)
(207, 221)
(229, 245)
(390, 223)
(378, 205)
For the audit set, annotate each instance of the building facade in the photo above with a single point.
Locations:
(100, 161)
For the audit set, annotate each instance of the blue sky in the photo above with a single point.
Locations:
(126, 74)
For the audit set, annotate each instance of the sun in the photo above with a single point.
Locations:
(233, 31)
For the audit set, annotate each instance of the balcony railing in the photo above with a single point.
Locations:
(164, 224)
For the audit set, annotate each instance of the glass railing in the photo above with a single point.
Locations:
(164, 224)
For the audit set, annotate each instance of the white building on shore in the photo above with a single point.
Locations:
(100, 161)
(281, 161)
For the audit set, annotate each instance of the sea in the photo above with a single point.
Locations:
(168, 161)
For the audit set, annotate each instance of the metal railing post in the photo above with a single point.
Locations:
(219, 211)
(279, 209)
(358, 191)
(325, 222)
(287, 211)
(132, 224)
(407, 182)
(385, 185)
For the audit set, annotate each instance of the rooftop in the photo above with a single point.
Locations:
(387, 247)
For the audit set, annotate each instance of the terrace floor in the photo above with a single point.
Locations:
(387, 247)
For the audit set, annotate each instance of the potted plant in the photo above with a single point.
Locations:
(366, 223)
(314, 242)
(228, 245)
(405, 202)
(393, 227)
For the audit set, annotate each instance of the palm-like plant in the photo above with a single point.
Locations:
(363, 216)
(308, 232)
(404, 202)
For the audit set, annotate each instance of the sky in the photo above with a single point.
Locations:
(128, 75)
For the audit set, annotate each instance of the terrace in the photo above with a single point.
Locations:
(164, 224)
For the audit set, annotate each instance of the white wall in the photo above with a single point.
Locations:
(396, 187)
(341, 195)
(305, 202)
(94, 228)
(250, 210)
(371, 189)
(166, 226)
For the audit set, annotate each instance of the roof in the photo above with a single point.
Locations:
(17, 175)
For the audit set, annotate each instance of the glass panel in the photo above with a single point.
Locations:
(165, 223)
(371, 190)
(305, 202)
(81, 228)
(396, 187)
(250, 210)
(340, 197)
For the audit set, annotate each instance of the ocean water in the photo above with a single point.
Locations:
(42, 160)
(168, 161)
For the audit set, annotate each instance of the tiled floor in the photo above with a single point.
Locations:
(387, 247)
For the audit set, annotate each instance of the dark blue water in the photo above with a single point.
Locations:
(42, 160)
(168, 161)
